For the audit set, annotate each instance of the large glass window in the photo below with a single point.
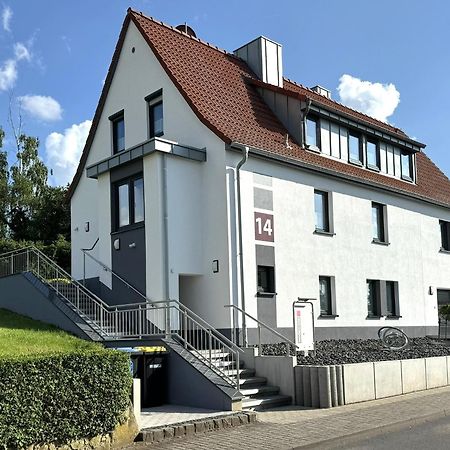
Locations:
(321, 209)
(406, 165)
(138, 200)
(373, 309)
(129, 202)
(354, 147)
(124, 205)
(156, 119)
(378, 223)
(325, 296)
(373, 156)
(311, 132)
(118, 126)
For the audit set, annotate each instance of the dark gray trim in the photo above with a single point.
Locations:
(266, 155)
(127, 170)
(117, 115)
(154, 95)
(139, 151)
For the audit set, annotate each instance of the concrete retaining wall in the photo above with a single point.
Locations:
(328, 386)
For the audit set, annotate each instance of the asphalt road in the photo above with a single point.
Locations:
(433, 434)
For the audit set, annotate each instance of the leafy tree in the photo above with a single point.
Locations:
(28, 181)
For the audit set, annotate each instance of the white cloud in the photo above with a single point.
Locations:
(63, 151)
(21, 52)
(41, 107)
(8, 74)
(375, 99)
(6, 18)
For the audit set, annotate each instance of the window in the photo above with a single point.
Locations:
(445, 235)
(354, 147)
(311, 132)
(391, 299)
(322, 213)
(266, 280)
(129, 202)
(379, 232)
(373, 155)
(326, 296)
(155, 114)
(406, 166)
(118, 132)
(156, 119)
(373, 298)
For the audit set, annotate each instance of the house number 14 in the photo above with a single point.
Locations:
(264, 227)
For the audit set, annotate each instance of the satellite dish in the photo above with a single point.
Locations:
(185, 28)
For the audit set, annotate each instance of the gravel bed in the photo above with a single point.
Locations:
(345, 351)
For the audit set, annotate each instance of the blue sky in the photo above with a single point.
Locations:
(54, 57)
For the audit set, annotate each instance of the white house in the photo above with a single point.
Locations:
(334, 205)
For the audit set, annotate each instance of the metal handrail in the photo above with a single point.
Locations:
(267, 327)
(131, 321)
(114, 274)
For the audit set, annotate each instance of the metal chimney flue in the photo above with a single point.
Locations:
(264, 57)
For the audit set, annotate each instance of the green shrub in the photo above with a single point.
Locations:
(61, 397)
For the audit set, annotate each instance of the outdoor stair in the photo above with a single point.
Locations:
(257, 394)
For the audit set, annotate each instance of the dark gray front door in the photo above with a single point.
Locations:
(128, 261)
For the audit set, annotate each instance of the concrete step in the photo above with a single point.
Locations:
(252, 381)
(259, 391)
(270, 401)
(219, 363)
(243, 373)
(215, 354)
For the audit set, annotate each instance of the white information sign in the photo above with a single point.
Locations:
(304, 326)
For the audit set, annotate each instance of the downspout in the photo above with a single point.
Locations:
(304, 112)
(165, 241)
(244, 159)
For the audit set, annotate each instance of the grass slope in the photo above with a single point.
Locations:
(20, 335)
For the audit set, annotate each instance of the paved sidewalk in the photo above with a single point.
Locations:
(292, 427)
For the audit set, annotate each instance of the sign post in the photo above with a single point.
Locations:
(303, 315)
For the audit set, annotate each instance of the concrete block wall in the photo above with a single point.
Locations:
(329, 386)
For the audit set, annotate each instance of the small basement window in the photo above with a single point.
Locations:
(326, 293)
(266, 280)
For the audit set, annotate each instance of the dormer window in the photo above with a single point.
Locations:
(354, 148)
(373, 154)
(406, 166)
(311, 133)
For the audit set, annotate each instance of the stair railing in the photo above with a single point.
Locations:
(132, 321)
(260, 325)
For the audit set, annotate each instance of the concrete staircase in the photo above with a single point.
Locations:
(257, 394)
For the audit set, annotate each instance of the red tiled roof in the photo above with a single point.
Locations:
(219, 87)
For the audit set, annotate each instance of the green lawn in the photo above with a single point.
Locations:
(21, 335)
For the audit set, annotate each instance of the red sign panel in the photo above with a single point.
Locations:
(264, 227)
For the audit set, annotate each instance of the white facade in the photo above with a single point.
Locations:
(191, 206)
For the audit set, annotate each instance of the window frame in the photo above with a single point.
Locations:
(410, 175)
(355, 134)
(376, 143)
(153, 100)
(327, 212)
(114, 120)
(376, 301)
(271, 281)
(331, 310)
(445, 235)
(382, 223)
(130, 182)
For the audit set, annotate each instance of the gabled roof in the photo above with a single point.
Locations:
(220, 89)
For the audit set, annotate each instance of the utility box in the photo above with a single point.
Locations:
(303, 314)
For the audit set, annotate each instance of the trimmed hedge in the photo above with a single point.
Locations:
(61, 397)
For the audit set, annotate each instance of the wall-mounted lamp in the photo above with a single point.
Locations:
(215, 266)
(431, 290)
(117, 244)
(86, 227)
